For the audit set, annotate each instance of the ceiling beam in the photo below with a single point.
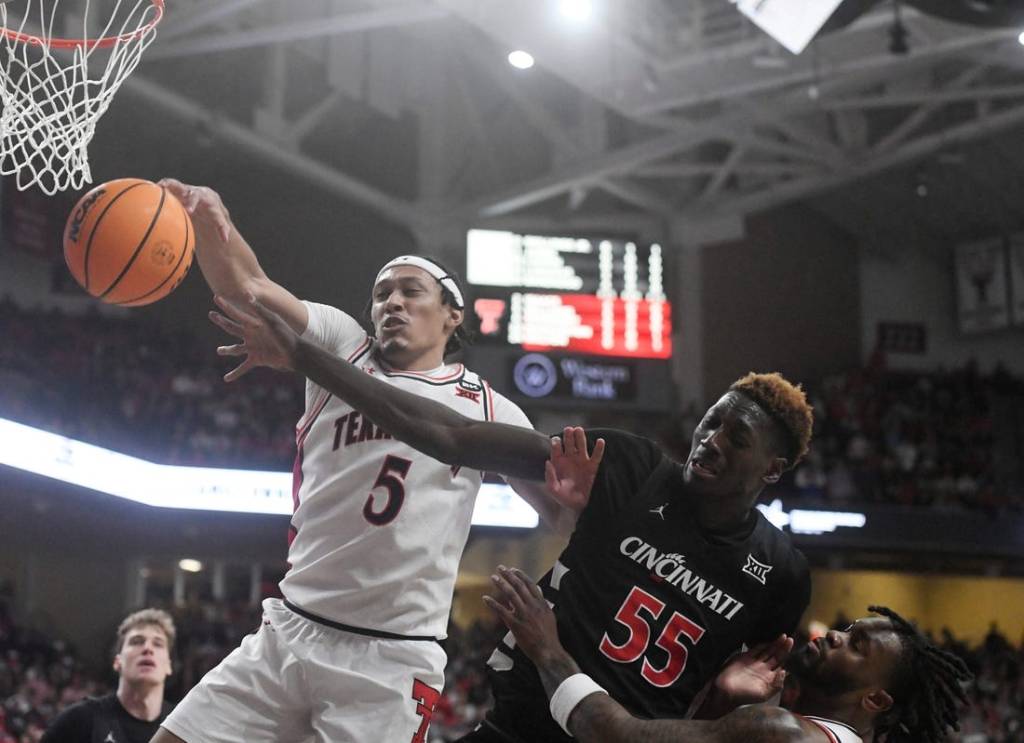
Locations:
(345, 186)
(697, 170)
(898, 100)
(883, 63)
(803, 188)
(719, 179)
(914, 121)
(202, 16)
(637, 195)
(403, 15)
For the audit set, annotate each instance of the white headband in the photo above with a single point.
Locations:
(444, 279)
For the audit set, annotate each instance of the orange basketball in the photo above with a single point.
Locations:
(129, 242)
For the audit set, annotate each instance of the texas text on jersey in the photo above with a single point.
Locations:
(648, 604)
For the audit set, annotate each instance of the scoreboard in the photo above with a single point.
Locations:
(582, 296)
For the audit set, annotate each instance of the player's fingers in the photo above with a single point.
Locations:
(598, 452)
(557, 451)
(579, 437)
(262, 310)
(173, 185)
(502, 611)
(778, 649)
(504, 581)
(238, 349)
(779, 680)
(233, 309)
(226, 324)
(239, 371)
(568, 441)
(515, 579)
(531, 586)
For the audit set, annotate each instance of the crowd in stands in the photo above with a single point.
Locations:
(40, 676)
(133, 387)
(947, 439)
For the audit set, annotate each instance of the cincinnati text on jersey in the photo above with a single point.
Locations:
(671, 567)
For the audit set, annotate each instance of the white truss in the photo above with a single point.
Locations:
(655, 110)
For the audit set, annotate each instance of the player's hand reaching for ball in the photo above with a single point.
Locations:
(266, 338)
(524, 610)
(204, 205)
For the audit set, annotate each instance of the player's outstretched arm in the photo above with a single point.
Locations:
(592, 716)
(426, 425)
(228, 264)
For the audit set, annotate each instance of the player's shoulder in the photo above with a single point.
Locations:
(498, 407)
(626, 446)
(75, 721)
(777, 545)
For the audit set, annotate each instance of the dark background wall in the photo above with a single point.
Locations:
(785, 298)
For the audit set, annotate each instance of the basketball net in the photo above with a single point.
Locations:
(51, 99)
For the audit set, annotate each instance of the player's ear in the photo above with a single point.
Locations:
(117, 663)
(876, 701)
(455, 316)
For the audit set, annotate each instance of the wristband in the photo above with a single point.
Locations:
(570, 693)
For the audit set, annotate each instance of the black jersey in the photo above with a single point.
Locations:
(647, 604)
(101, 720)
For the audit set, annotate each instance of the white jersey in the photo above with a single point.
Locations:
(379, 528)
(837, 732)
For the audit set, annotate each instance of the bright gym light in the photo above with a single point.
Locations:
(520, 59)
(1021, 37)
(576, 10)
(190, 566)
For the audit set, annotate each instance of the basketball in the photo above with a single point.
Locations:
(128, 242)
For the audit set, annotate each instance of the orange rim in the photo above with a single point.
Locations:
(106, 41)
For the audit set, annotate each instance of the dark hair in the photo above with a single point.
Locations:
(464, 333)
(785, 403)
(926, 687)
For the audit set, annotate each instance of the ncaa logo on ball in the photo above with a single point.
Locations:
(76, 223)
(162, 254)
(535, 375)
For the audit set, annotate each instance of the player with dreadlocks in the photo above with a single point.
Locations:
(928, 681)
(880, 679)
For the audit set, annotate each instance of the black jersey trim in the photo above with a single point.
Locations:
(380, 634)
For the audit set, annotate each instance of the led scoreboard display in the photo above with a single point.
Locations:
(597, 297)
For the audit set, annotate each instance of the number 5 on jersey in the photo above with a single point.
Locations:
(639, 637)
(392, 478)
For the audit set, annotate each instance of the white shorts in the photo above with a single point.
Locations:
(297, 680)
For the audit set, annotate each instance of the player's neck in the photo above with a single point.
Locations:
(143, 701)
(722, 515)
(422, 362)
(849, 713)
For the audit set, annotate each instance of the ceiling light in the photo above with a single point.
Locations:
(575, 10)
(1021, 37)
(520, 59)
(190, 566)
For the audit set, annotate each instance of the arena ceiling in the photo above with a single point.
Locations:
(654, 115)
